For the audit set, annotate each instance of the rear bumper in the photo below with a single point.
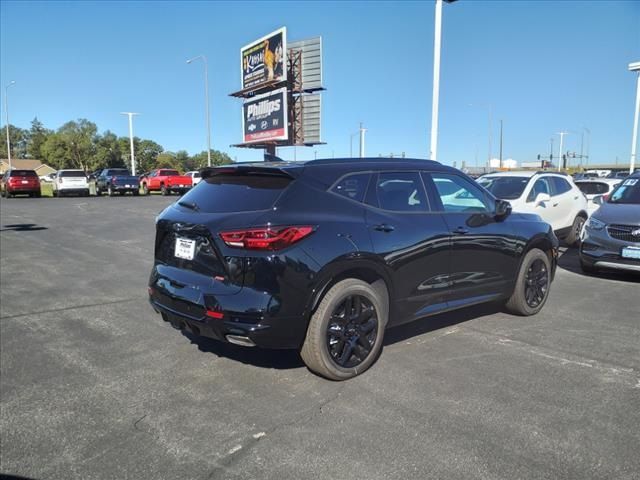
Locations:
(245, 313)
(23, 189)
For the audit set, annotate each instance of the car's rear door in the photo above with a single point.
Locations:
(412, 241)
(483, 250)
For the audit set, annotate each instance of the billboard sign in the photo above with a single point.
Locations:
(264, 117)
(264, 60)
(311, 49)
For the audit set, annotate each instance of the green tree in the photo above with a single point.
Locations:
(81, 137)
(108, 151)
(56, 151)
(38, 134)
(147, 152)
(199, 160)
(19, 139)
(166, 160)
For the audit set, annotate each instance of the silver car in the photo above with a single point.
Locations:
(611, 236)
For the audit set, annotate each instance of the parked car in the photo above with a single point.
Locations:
(595, 187)
(551, 195)
(70, 181)
(117, 180)
(48, 178)
(20, 182)
(166, 181)
(611, 237)
(584, 176)
(195, 176)
(619, 174)
(323, 256)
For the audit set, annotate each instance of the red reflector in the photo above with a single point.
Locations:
(214, 314)
(267, 238)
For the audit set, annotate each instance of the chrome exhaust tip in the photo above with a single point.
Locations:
(240, 340)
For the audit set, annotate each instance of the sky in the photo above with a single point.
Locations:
(542, 66)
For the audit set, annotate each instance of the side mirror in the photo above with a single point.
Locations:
(541, 198)
(503, 209)
(598, 200)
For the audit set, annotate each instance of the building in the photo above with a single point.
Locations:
(41, 169)
(508, 163)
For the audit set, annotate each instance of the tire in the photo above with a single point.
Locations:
(136, 193)
(316, 350)
(110, 191)
(164, 190)
(38, 194)
(7, 194)
(528, 299)
(145, 189)
(86, 193)
(98, 192)
(573, 239)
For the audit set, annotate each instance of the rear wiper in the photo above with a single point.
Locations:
(190, 205)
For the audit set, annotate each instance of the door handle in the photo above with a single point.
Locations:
(461, 230)
(555, 204)
(383, 227)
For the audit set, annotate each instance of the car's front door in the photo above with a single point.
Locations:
(483, 250)
(411, 240)
(548, 208)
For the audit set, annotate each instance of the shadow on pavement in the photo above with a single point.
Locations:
(4, 476)
(437, 322)
(259, 357)
(22, 227)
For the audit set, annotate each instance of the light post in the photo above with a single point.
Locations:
(437, 37)
(635, 67)
(133, 158)
(6, 113)
(362, 132)
(206, 100)
(562, 134)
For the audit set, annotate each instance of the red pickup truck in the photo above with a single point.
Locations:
(166, 181)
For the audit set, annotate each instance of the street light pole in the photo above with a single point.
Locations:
(437, 39)
(362, 131)
(133, 157)
(6, 112)
(206, 99)
(635, 67)
(562, 134)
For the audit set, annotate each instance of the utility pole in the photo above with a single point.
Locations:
(133, 158)
(6, 112)
(562, 134)
(500, 143)
(206, 101)
(635, 67)
(362, 131)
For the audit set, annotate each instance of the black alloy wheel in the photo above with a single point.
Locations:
(536, 283)
(352, 331)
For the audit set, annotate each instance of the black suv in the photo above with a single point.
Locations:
(323, 256)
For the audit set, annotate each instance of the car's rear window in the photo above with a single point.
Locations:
(507, 187)
(72, 173)
(23, 173)
(168, 173)
(118, 171)
(237, 192)
(593, 188)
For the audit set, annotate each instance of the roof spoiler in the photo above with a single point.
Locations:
(239, 169)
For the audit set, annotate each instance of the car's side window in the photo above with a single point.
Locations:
(352, 186)
(560, 185)
(458, 194)
(540, 186)
(401, 192)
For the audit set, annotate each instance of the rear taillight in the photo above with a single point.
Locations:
(267, 238)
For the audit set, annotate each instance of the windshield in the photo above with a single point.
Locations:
(508, 188)
(627, 192)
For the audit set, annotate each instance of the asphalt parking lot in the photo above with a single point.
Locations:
(95, 386)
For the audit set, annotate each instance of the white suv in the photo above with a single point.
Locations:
(70, 181)
(553, 196)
